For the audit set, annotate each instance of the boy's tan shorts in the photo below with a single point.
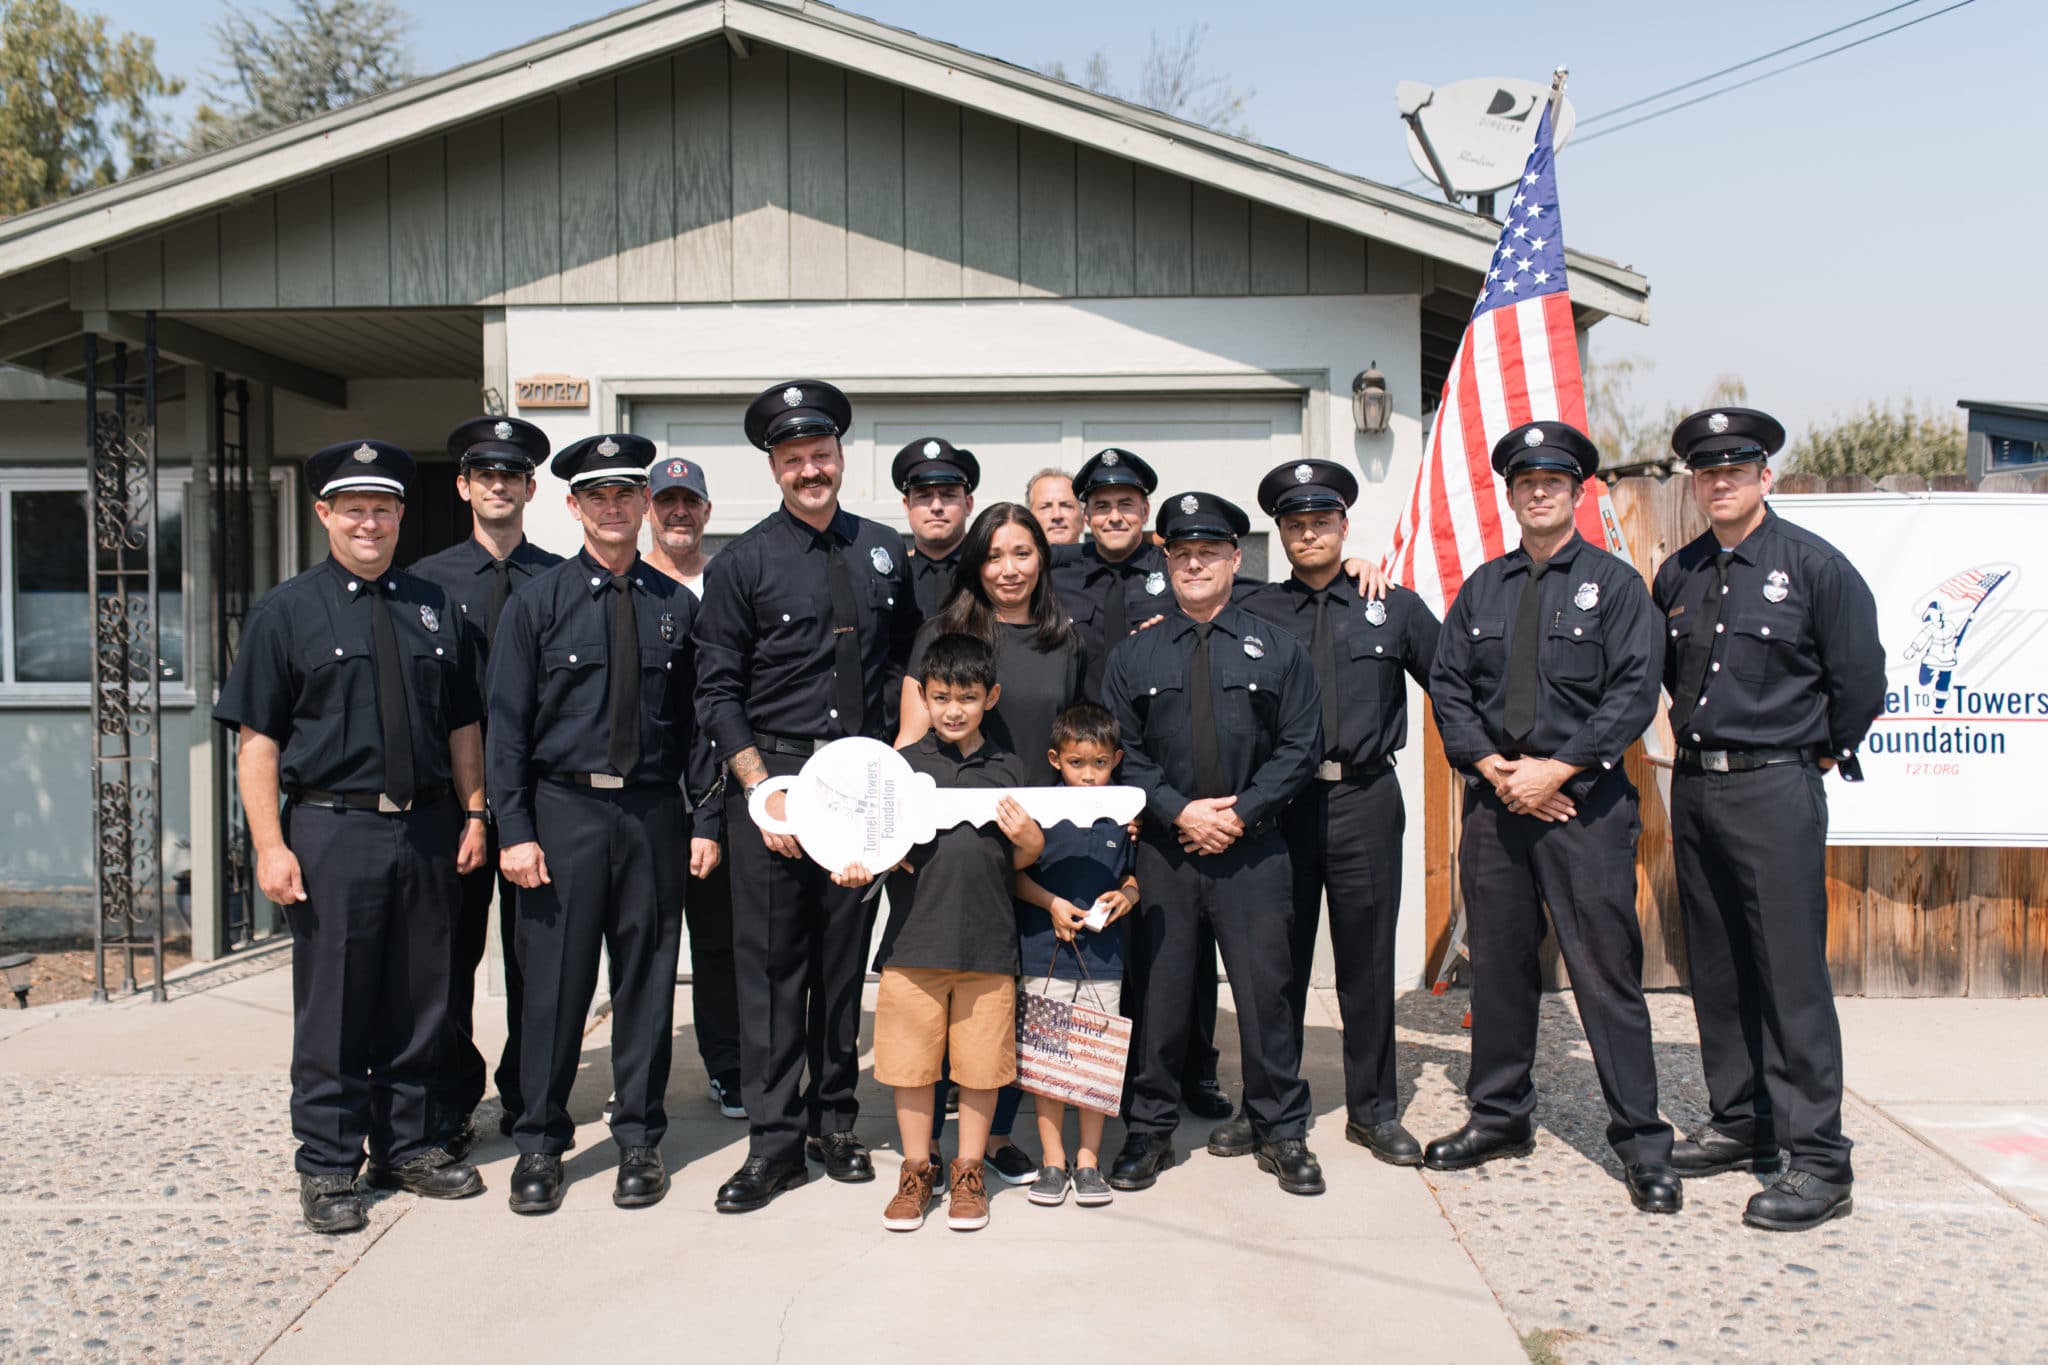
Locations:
(924, 1013)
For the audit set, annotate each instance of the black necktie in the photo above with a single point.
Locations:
(848, 685)
(1693, 666)
(501, 588)
(1519, 717)
(391, 709)
(1209, 779)
(623, 747)
(1115, 612)
(1323, 654)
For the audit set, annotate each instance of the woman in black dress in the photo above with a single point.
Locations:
(1002, 593)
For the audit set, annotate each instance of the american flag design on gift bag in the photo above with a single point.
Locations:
(1072, 1053)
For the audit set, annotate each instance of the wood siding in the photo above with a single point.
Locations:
(706, 177)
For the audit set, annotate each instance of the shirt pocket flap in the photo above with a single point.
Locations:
(1373, 644)
(572, 657)
(659, 656)
(1486, 628)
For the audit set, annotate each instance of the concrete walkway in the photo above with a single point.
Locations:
(147, 1210)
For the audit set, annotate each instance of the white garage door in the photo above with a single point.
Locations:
(1223, 445)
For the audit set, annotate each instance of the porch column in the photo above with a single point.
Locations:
(202, 736)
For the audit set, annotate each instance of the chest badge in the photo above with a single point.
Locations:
(431, 619)
(1376, 612)
(668, 627)
(879, 557)
(1155, 582)
(1254, 647)
(1587, 597)
(1777, 587)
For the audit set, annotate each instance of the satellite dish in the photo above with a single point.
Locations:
(1481, 129)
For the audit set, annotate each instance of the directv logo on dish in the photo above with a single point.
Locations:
(1956, 663)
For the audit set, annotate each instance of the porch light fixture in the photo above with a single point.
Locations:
(14, 967)
(1372, 407)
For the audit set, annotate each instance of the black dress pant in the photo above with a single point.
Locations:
(369, 979)
(1344, 838)
(1199, 1066)
(799, 948)
(617, 862)
(459, 1083)
(1509, 868)
(1241, 896)
(714, 990)
(1751, 855)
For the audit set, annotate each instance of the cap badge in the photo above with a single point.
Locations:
(1532, 437)
(676, 469)
(1254, 647)
(1777, 587)
(607, 446)
(430, 619)
(503, 431)
(793, 397)
(1376, 612)
(1155, 582)
(1302, 473)
(1109, 459)
(879, 557)
(668, 627)
(1188, 505)
(931, 448)
(1718, 423)
(1587, 597)
(364, 454)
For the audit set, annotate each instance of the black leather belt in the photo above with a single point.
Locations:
(787, 744)
(377, 801)
(1742, 760)
(1329, 771)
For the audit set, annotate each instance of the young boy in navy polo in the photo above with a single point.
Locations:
(1081, 872)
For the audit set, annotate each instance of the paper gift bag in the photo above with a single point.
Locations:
(1072, 1052)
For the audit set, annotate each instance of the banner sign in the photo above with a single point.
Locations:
(1961, 582)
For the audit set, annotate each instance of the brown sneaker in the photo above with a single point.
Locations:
(913, 1199)
(967, 1205)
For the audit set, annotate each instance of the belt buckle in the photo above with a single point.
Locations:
(1714, 760)
(607, 781)
(386, 806)
(1329, 770)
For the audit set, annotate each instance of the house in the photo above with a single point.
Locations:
(638, 223)
(2004, 437)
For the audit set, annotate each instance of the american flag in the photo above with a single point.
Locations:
(1073, 1053)
(1973, 585)
(1518, 362)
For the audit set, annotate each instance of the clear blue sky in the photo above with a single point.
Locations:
(1848, 232)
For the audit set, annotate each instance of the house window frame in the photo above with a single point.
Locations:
(78, 695)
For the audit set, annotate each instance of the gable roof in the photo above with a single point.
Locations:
(90, 221)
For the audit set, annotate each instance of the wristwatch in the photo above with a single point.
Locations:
(476, 815)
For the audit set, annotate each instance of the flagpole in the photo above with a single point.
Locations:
(1557, 79)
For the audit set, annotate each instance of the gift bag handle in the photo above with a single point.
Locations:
(1080, 962)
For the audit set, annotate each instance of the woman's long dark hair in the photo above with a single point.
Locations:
(967, 610)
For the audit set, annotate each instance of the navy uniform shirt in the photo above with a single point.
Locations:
(931, 580)
(1084, 580)
(1078, 865)
(765, 633)
(1796, 661)
(306, 676)
(1267, 707)
(464, 573)
(550, 687)
(953, 913)
(1372, 654)
(1596, 681)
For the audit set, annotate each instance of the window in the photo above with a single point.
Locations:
(2014, 452)
(51, 639)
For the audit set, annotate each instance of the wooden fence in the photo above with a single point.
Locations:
(1901, 921)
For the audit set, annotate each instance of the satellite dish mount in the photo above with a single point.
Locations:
(1477, 135)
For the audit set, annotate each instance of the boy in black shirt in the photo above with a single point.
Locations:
(1082, 872)
(949, 954)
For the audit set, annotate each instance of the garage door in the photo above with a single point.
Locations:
(1223, 445)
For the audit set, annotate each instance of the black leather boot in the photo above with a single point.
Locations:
(1138, 1165)
(536, 1184)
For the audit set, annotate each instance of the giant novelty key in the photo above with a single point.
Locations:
(859, 801)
